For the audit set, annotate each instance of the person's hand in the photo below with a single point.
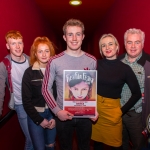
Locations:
(44, 123)
(64, 115)
(51, 124)
(96, 117)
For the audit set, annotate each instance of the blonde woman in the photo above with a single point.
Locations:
(112, 75)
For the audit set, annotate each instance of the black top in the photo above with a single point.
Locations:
(145, 57)
(31, 93)
(112, 75)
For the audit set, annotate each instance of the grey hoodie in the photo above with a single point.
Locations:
(3, 82)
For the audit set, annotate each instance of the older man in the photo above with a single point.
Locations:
(134, 121)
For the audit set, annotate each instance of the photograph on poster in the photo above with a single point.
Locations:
(79, 90)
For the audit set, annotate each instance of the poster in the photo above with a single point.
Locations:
(80, 92)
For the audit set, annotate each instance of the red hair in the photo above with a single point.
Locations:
(34, 47)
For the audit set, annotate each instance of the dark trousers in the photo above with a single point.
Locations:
(99, 146)
(65, 129)
(132, 130)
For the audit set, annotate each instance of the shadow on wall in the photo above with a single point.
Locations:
(123, 15)
(26, 17)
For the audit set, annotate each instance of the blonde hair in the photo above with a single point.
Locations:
(104, 36)
(13, 34)
(73, 22)
(37, 41)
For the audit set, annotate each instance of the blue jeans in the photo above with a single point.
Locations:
(40, 136)
(65, 129)
(22, 117)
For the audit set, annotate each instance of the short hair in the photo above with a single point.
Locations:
(73, 22)
(13, 34)
(134, 31)
(34, 47)
(108, 35)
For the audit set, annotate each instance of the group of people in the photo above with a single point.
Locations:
(122, 90)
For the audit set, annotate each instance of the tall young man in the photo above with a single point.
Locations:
(134, 121)
(19, 62)
(73, 58)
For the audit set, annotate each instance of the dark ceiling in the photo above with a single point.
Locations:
(59, 11)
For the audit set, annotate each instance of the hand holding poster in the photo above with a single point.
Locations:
(80, 90)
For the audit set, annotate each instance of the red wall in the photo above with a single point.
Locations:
(22, 15)
(124, 14)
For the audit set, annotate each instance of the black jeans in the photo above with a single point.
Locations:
(132, 130)
(99, 146)
(65, 129)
